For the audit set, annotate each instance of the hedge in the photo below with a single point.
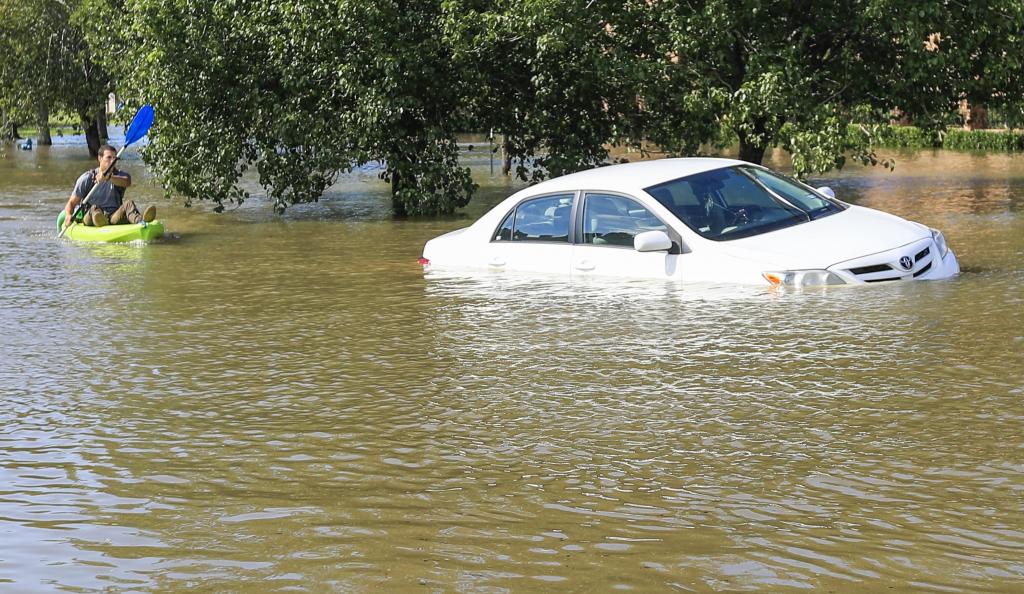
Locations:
(955, 139)
(984, 140)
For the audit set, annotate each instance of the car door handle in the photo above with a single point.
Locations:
(584, 265)
(496, 262)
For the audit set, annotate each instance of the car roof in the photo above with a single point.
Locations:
(627, 177)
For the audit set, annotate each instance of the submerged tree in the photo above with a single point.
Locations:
(552, 77)
(48, 65)
(795, 73)
(298, 91)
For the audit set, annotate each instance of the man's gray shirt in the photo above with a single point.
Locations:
(107, 196)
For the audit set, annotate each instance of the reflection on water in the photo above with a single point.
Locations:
(278, 404)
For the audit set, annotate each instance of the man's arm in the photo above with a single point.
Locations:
(69, 208)
(121, 179)
(118, 178)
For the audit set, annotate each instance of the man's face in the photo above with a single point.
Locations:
(106, 158)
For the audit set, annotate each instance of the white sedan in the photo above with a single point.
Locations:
(694, 219)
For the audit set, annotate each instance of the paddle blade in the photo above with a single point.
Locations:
(140, 124)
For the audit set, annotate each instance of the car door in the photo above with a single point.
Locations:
(606, 226)
(535, 236)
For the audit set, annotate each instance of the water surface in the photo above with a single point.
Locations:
(289, 404)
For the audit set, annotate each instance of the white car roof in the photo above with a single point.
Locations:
(629, 177)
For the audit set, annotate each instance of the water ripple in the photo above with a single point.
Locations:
(292, 402)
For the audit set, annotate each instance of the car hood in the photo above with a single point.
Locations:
(852, 233)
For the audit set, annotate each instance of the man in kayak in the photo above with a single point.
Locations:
(107, 204)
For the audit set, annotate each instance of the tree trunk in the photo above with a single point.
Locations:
(10, 131)
(977, 117)
(750, 153)
(506, 161)
(396, 203)
(92, 135)
(43, 138)
(101, 123)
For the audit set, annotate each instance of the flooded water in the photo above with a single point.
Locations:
(289, 404)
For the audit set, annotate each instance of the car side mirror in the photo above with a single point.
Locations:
(827, 191)
(652, 241)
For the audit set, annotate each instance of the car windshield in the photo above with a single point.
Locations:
(740, 202)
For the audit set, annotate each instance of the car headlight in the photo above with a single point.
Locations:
(803, 278)
(940, 242)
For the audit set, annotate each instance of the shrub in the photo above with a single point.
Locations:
(895, 137)
(954, 139)
(984, 140)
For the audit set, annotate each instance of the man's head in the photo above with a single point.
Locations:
(106, 156)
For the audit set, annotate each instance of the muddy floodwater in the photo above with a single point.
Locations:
(266, 403)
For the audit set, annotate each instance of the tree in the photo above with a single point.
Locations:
(298, 91)
(49, 65)
(985, 56)
(407, 99)
(551, 76)
(14, 101)
(795, 73)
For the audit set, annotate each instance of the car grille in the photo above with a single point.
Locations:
(888, 271)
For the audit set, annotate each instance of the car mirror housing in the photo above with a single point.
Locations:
(827, 191)
(652, 241)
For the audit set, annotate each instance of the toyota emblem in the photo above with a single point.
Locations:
(906, 262)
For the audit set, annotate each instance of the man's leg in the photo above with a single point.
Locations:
(126, 213)
(94, 217)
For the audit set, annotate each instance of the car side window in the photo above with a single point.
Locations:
(504, 232)
(614, 220)
(539, 219)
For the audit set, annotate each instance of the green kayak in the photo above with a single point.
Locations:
(113, 233)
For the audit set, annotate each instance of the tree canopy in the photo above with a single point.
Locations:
(796, 73)
(48, 64)
(298, 91)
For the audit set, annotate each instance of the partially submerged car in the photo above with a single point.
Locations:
(694, 219)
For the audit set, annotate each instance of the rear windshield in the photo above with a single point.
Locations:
(741, 202)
